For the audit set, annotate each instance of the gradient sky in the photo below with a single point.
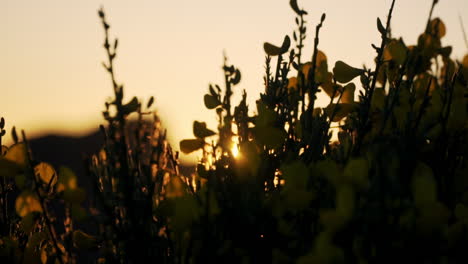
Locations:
(51, 78)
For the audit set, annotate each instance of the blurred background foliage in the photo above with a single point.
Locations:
(379, 175)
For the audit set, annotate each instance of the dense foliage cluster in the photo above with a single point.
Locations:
(271, 187)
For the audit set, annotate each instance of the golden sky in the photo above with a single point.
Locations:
(51, 78)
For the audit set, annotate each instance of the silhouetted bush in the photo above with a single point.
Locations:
(270, 187)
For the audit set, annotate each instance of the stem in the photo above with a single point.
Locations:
(42, 202)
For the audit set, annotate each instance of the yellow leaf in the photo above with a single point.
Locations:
(396, 51)
(348, 93)
(46, 173)
(26, 203)
(18, 154)
(292, 83)
(438, 27)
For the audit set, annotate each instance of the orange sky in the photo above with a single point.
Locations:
(51, 51)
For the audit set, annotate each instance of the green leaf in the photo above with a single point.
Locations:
(345, 201)
(27, 202)
(211, 101)
(273, 50)
(200, 130)
(131, 106)
(356, 172)
(344, 73)
(67, 179)
(423, 185)
(190, 145)
(46, 173)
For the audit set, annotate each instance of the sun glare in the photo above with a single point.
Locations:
(235, 150)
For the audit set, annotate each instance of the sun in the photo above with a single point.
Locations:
(235, 150)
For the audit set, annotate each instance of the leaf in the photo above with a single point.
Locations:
(271, 137)
(74, 196)
(150, 102)
(423, 185)
(295, 174)
(266, 116)
(396, 51)
(78, 213)
(82, 240)
(348, 93)
(344, 73)
(380, 27)
(200, 130)
(66, 179)
(356, 171)
(345, 201)
(18, 154)
(46, 173)
(339, 111)
(211, 101)
(437, 27)
(190, 145)
(130, 107)
(378, 99)
(321, 59)
(27, 202)
(273, 50)
(295, 7)
(237, 77)
(292, 83)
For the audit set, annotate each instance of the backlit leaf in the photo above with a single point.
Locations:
(396, 51)
(27, 202)
(190, 145)
(438, 27)
(296, 9)
(273, 50)
(46, 173)
(211, 101)
(66, 179)
(17, 154)
(200, 130)
(131, 106)
(344, 73)
(348, 93)
(380, 27)
(378, 99)
(339, 111)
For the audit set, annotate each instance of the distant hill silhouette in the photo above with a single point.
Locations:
(72, 152)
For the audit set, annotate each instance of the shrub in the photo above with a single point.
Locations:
(274, 186)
